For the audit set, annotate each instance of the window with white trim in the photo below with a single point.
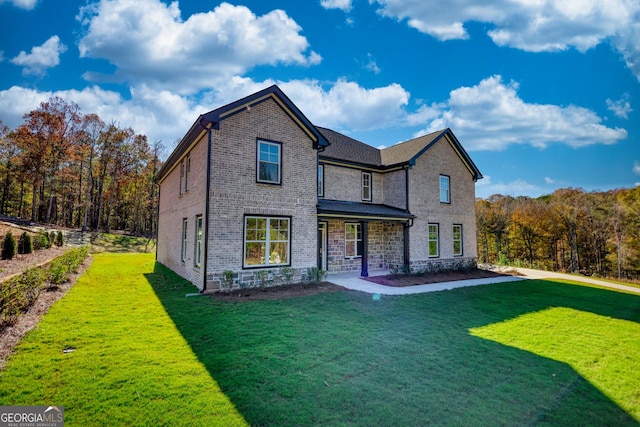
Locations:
(457, 240)
(198, 249)
(366, 186)
(434, 244)
(269, 162)
(181, 177)
(266, 241)
(445, 194)
(320, 180)
(352, 240)
(183, 251)
(187, 179)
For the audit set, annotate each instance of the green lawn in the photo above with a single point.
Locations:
(529, 352)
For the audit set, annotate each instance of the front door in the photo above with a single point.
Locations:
(322, 245)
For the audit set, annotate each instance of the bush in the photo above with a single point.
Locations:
(287, 274)
(227, 280)
(316, 275)
(59, 239)
(9, 246)
(41, 241)
(262, 277)
(18, 293)
(24, 244)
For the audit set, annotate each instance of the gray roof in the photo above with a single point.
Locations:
(360, 210)
(345, 148)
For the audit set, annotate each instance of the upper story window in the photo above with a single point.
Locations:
(269, 162)
(320, 180)
(445, 193)
(457, 240)
(434, 245)
(187, 176)
(181, 177)
(366, 186)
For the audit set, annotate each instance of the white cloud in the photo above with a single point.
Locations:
(371, 65)
(485, 188)
(491, 116)
(549, 180)
(344, 5)
(535, 26)
(621, 107)
(41, 57)
(148, 40)
(636, 168)
(22, 4)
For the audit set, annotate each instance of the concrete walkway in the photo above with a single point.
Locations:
(354, 282)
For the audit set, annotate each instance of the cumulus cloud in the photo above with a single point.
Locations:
(491, 116)
(486, 188)
(344, 5)
(22, 4)
(534, 26)
(41, 57)
(148, 39)
(621, 107)
(636, 168)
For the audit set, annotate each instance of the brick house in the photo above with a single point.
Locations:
(255, 186)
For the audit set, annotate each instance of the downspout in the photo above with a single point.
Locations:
(206, 207)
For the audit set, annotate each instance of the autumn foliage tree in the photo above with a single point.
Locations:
(596, 233)
(64, 167)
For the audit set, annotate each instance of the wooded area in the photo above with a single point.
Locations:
(63, 167)
(595, 233)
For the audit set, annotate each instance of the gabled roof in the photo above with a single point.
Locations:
(212, 119)
(351, 151)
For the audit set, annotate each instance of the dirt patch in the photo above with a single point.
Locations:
(11, 335)
(427, 279)
(277, 292)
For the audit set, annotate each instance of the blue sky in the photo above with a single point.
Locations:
(543, 94)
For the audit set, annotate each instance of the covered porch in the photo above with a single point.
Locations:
(359, 237)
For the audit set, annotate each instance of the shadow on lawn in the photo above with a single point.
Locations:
(344, 359)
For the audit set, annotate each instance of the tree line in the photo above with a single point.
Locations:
(595, 233)
(63, 167)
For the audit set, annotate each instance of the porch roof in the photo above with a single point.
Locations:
(361, 211)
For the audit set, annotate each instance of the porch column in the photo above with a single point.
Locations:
(405, 237)
(365, 249)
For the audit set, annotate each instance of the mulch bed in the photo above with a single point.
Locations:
(427, 279)
(277, 292)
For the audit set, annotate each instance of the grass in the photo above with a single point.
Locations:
(121, 243)
(530, 352)
(110, 354)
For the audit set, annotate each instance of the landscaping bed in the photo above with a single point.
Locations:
(277, 292)
(401, 280)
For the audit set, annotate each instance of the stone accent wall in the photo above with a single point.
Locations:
(385, 247)
(436, 265)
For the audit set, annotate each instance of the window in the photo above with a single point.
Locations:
(187, 179)
(457, 240)
(366, 186)
(434, 249)
(269, 162)
(198, 260)
(445, 195)
(320, 180)
(266, 241)
(183, 251)
(352, 240)
(181, 177)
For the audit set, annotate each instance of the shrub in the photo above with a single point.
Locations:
(52, 237)
(59, 239)
(18, 293)
(262, 277)
(57, 272)
(287, 274)
(9, 246)
(227, 280)
(24, 244)
(41, 240)
(316, 274)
